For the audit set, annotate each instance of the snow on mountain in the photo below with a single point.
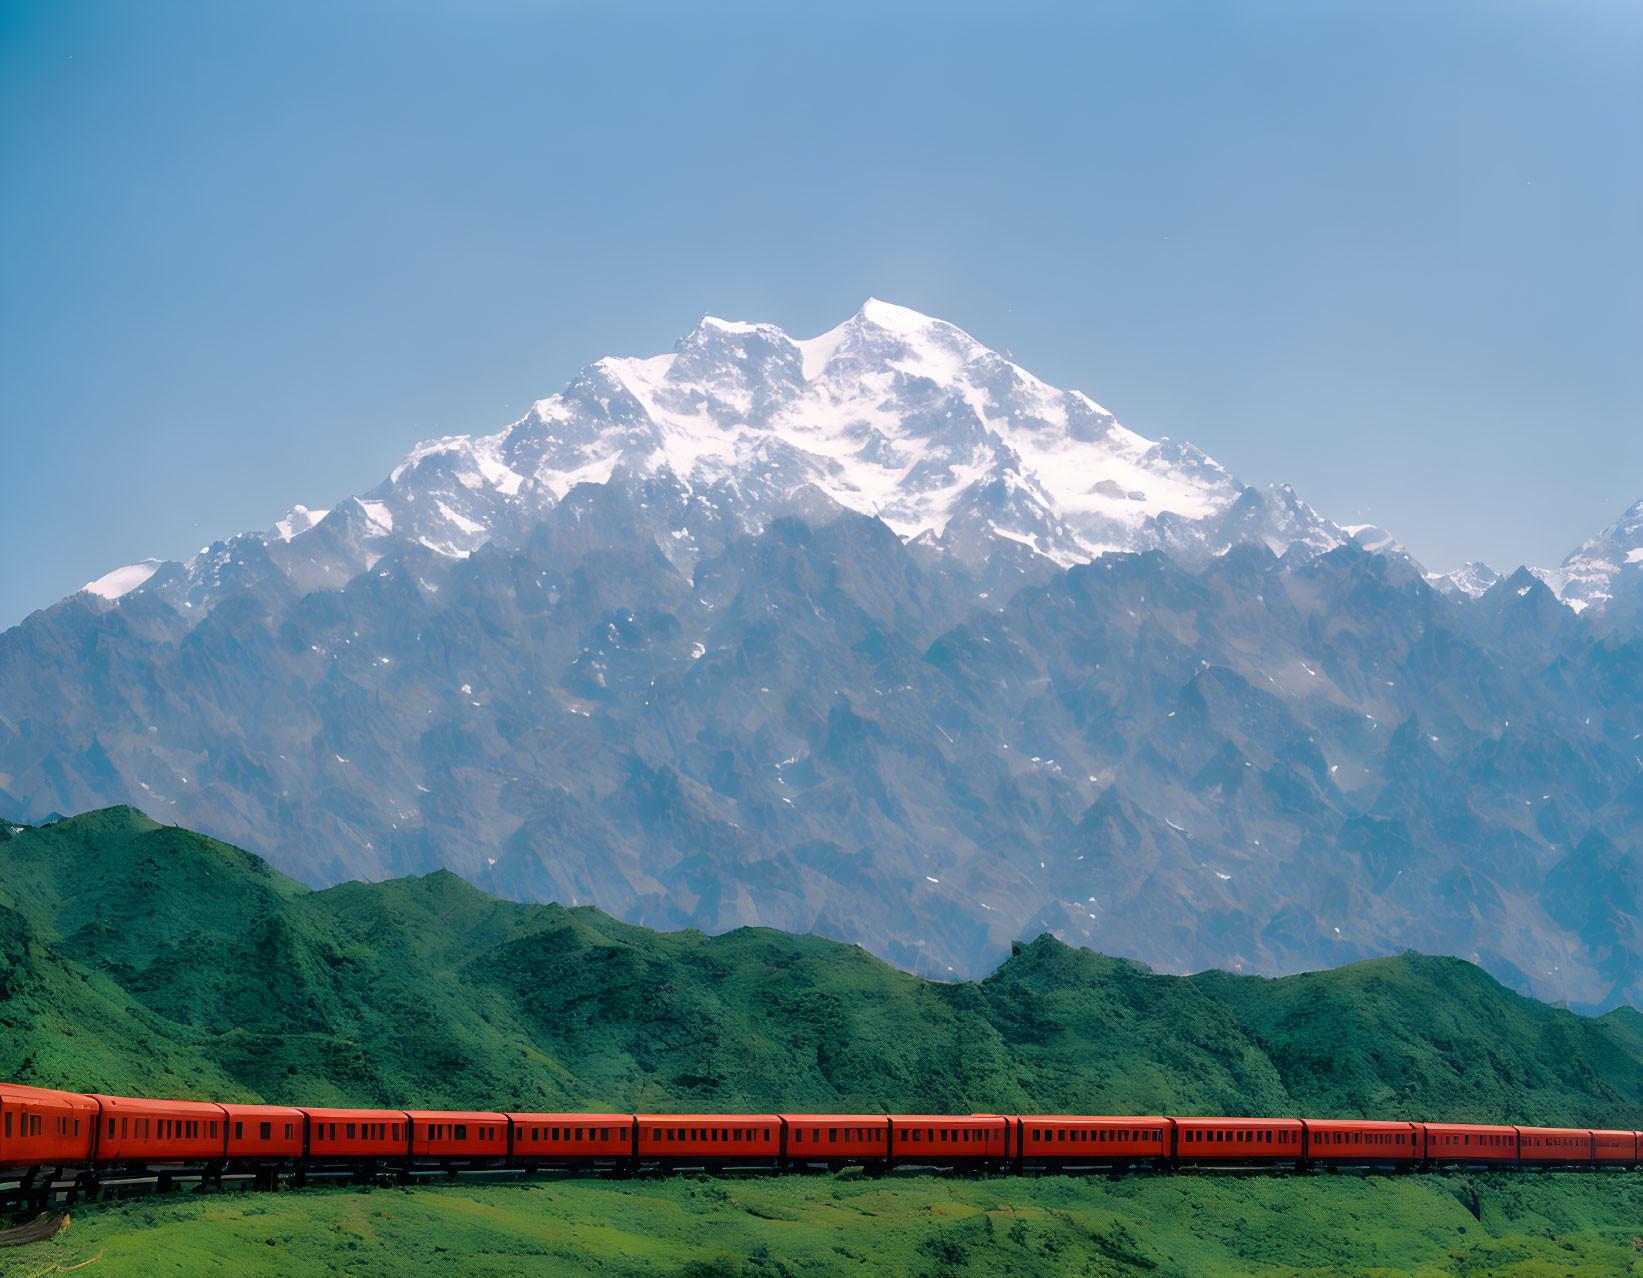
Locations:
(122, 581)
(892, 413)
(1607, 568)
(1471, 579)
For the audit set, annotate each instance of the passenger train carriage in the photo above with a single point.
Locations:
(67, 1138)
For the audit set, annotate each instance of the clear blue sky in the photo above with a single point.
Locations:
(1391, 253)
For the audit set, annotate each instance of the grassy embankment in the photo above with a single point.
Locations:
(1540, 1226)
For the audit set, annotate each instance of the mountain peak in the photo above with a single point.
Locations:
(1606, 567)
(893, 413)
(897, 319)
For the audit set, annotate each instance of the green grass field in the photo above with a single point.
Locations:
(1532, 1225)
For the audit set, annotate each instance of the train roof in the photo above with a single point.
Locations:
(261, 1111)
(343, 1115)
(170, 1108)
(848, 1120)
(930, 1120)
(1089, 1118)
(561, 1119)
(18, 1094)
(456, 1115)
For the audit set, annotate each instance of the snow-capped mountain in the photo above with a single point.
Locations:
(1471, 579)
(891, 413)
(1606, 573)
(835, 635)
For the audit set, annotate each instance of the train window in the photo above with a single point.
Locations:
(1061, 1134)
(833, 1134)
(288, 1131)
(239, 1131)
(267, 1132)
(349, 1131)
(8, 1125)
(462, 1131)
(110, 1126)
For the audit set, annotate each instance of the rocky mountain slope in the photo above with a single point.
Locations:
(809, 634)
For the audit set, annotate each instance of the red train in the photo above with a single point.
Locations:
(53, 1137)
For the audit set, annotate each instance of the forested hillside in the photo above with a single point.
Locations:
(140, 957)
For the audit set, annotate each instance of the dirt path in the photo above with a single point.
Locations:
(39, 1229)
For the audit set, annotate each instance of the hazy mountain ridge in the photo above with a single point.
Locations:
(1264, 763)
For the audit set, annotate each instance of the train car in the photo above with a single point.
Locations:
(701, 1139)
(1064, 1139)
(40, 1126)
(468, 1136)
(946, 1139)
(1614, 1146)
(134, 1129)
(1470, 1143)
(1362, 1141)
(343, 1135)
(837, 1138)
(1239, 1140)
(571, 1140)
(1554, 1145)
(264, 1131)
